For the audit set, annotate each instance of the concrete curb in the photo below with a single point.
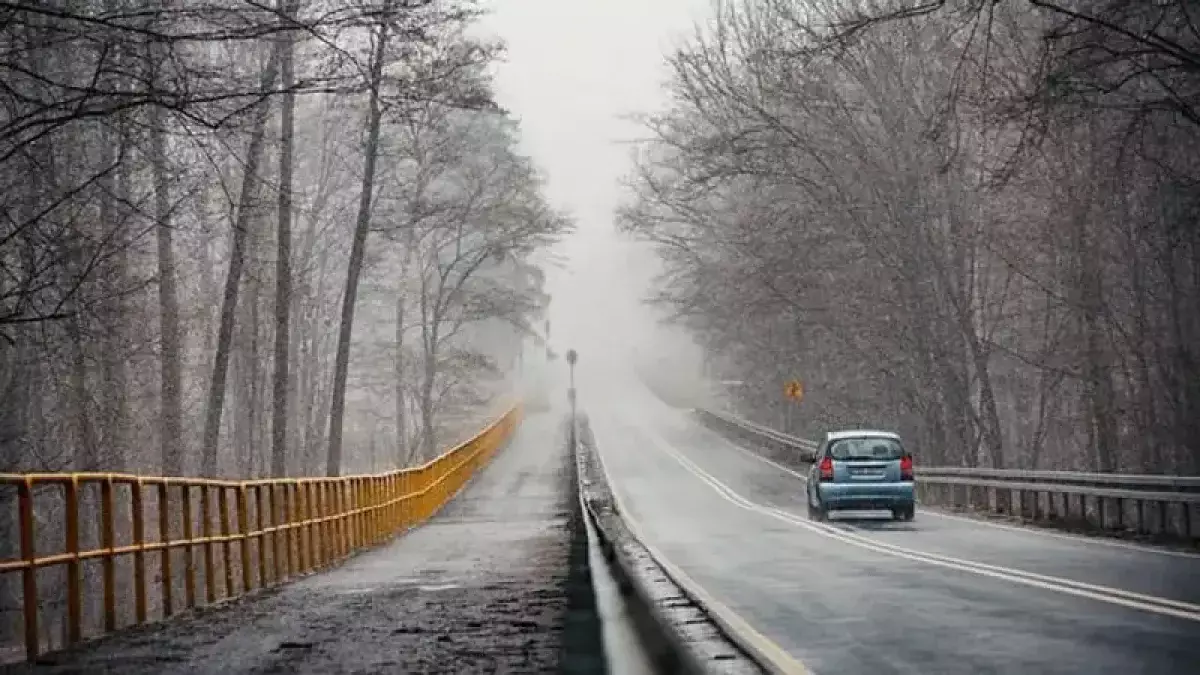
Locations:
(680, 634)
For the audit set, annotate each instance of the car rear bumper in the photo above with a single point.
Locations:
(866, 496)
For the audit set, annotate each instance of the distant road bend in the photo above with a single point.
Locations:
(942, 594)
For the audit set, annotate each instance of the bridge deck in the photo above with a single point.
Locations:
(478, 589)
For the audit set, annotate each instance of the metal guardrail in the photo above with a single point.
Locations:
(1170, 500)
(280, 528)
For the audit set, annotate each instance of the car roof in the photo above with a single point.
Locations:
(860, 433)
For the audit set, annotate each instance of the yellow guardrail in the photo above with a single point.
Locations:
(279, 528)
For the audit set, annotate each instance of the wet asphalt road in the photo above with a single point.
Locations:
(845, 600)
(479, 589)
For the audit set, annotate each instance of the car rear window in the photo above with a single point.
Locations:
(866, 449)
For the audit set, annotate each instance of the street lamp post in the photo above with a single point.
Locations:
(572, 357)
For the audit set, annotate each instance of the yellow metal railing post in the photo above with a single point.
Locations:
(164, 533)
(293, 552)
(243, 524)
(226, 539)
(29, 599)
(322, 539)
(347, 530)
(108, 541)
(277, 493)
(74, 567)
(396, 521)
(370, 518)
(266, 542)
(410, 498)
(309, 490)
(189, 563)
(139, 551)
(360, 503)
(206, 528)
(377, 506)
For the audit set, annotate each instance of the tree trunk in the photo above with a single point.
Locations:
(229, 301)
(402, 457)
(428, 380)
(171, 368)
(283, 259)
(253, 370)
(1098, 383)
(362, 226)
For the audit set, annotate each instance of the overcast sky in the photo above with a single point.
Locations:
(573, 69)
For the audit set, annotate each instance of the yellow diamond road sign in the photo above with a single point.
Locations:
(794, 390)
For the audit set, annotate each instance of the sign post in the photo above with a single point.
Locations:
(794, 392)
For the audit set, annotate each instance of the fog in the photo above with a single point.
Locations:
(574, 73)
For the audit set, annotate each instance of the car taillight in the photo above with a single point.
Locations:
(906, 468)
(826, 468)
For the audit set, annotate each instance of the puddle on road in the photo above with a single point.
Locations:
(421, 585)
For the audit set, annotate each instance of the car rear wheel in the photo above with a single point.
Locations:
(905, 513)
(815, 512)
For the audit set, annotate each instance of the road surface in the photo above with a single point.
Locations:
(479, 589)
(942, 594)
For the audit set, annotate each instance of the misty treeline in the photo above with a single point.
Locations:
(248, 239)
(972, 221)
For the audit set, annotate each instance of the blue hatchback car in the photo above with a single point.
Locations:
(861, 471)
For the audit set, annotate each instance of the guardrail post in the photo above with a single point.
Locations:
(29, 592)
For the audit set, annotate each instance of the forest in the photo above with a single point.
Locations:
(246, 240)
(973, 221)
